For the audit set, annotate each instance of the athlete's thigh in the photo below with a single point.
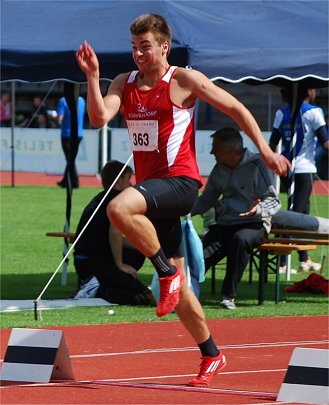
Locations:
(167, 201)
(128, 201)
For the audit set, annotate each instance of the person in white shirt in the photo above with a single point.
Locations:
(310, 129)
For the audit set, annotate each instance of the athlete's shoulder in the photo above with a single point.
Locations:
(188, 72)
(188, 76)
(122, 77)
(118, 83)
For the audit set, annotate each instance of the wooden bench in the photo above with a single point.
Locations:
(275, 249)
(68, 235)
(301, 233)
(297, 237)
(298, 240)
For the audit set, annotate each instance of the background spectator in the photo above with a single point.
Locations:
(243, 214)
(322, 158)
(310, 129)
(38, 109)
(64, 119)
(5, 110)
(102, 250)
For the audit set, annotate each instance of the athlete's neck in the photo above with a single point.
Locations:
(152, 78)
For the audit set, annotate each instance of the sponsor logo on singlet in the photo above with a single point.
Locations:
(142, 112)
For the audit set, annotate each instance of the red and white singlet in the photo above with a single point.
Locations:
(162, 135)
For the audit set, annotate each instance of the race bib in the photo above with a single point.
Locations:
(143, 135)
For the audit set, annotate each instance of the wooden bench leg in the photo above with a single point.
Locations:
(251, 259)
(262, 274)
(277, 280)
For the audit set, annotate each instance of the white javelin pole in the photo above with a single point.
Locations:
(37, 300)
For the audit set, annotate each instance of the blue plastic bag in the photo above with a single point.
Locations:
(193, 254)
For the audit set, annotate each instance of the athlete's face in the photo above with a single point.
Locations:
(147, 52)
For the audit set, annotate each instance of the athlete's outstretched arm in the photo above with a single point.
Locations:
(207, 91)
(100, 110)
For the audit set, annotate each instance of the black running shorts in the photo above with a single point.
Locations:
(167, 201)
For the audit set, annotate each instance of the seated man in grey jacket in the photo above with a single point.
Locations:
(243, 213)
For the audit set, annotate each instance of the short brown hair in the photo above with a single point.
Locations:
(230, 138)
(111, 170)
(153, 23)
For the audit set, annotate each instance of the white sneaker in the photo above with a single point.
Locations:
(227, 303)
(309, 266)
(283, 270)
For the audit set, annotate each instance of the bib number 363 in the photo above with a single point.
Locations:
(143, 135)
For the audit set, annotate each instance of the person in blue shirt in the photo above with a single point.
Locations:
(64, 120)
(310, 129)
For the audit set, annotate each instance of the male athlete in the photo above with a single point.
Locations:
(158, 102)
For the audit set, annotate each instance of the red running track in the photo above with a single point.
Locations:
(150, 363)
(44, 179)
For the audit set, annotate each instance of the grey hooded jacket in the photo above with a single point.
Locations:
(232, 191)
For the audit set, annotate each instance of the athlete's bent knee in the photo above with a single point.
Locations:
(114, 211)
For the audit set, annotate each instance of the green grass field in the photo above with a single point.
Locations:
(29, 258)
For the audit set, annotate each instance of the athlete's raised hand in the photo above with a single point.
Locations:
(278, 163)
(87, 59)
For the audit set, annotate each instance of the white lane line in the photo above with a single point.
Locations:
(187, 349)
(169, 387)
(192, 375)
(191, 349)
(159, 377)
(185, 388)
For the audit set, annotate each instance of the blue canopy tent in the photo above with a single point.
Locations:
(254, 41)
(257, 41)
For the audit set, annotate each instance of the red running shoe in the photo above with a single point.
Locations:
(208, 367)
(169, 292)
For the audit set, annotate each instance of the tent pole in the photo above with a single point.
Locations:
(295, 104)
(13, 113)
(104, 138)
(71, 94)
(269, 110)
